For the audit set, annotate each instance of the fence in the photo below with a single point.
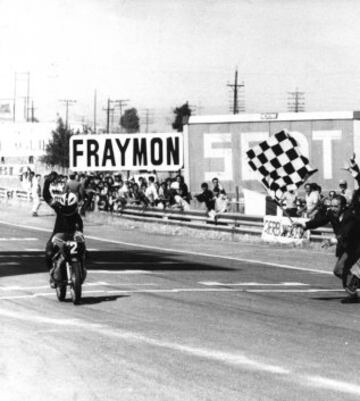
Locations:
(235, 223)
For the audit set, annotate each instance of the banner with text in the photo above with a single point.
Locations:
(112, 152)
(281, 229)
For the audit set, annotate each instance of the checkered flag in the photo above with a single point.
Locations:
(279, 164)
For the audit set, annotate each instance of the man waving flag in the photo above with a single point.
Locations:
(279, 164)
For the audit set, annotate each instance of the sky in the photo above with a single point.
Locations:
(159, 54)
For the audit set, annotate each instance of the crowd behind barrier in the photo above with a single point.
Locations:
(113, 192)
(314, 200)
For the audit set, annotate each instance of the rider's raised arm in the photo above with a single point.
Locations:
(46, 189)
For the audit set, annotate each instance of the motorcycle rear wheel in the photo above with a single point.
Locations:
(61, 292)
(76, 281)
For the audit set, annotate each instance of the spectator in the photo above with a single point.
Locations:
(345, 191)
(183, 189)
(36, 195)
(164, 195)
(300, 207)
(74, 186)
(151, 192)
(139, 194)
(221, 202)
(176, 199)
(290, 198)
(89, 191)
(103, 203)
(312, 199)
(207, 197)
(217, 187)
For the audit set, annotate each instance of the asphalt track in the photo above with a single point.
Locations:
(173, 318)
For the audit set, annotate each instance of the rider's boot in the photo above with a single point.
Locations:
(352, 285)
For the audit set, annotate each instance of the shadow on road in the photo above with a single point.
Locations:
(151, 260)
(98, 300)
(25, 262)
(344, 299)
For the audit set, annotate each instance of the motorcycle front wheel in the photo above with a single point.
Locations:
(76, 281)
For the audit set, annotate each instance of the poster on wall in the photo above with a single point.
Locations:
(281, 229)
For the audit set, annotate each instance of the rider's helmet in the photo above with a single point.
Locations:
(69, 204)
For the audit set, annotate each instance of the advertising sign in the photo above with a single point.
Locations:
(280, 229)
(217, 145)
(114, 152)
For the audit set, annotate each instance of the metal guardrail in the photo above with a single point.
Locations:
(233, 223)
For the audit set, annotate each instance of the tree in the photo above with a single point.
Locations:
(57, 150)
(182, 115)
(130, 121)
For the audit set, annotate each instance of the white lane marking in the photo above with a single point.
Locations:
(237, 359)
(120, 272)
(335, 385)
(176, 291)
(137, 263)
(179, 251)
(216, 283)
(92, 249)
(309, 290)
(33, 250)
(39, 287)
(9, 264)
(18, 239)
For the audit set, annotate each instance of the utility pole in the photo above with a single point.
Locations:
(95, 105)
(28, 96)
(147, 120)
(32, 112)
(14, 104)
(108, 110)
(18, 76)
(296, 101)
(120, 103)
(234, 87)
(32, 109)
(67, 103)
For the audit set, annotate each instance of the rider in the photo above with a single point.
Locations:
(68, 222)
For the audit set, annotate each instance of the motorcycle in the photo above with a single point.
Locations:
(69, 268)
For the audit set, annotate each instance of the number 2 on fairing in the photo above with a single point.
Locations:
(73, 247)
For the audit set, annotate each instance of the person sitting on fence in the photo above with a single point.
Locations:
(137, 196)
(207, 197)
(183, 189)
(217, 187)
(176, 199)
(222, 202)
(164, 195)
(151, 192)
